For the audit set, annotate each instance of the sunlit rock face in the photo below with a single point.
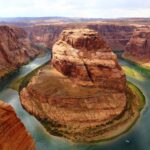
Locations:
(138, 48)
(13, 134)
(15, 49)
(139, 44)
(84, 56)
(82, 93)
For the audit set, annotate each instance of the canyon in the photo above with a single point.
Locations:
(15, 49)
(12, 132)
(86, 97)
(116, 35)
(82, 95)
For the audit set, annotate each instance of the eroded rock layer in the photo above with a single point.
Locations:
(116, 36)
(13, 134)
(15, 49)
(84, 56)
(138, 48)
(83, 95)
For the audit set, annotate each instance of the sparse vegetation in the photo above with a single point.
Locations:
(133, 73)
(139, 68)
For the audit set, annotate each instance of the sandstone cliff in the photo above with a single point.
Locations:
(13, 135)
(138, 48)
(15, 49)
(84, 56)
(116, 36)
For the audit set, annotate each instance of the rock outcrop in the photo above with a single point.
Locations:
(84, 56)
(83, 94)
(116, 36)
(138, 48)
(15, 49)
(13, 134)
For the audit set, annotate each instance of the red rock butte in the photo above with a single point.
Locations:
(81, 54)
(82, 95)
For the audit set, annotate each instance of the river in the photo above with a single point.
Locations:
(138, 138)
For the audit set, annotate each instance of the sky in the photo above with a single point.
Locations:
(75, 8)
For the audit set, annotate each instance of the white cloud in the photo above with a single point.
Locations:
(75, 8)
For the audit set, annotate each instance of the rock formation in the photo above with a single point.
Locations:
(116, 36)
(15, 49)
(13, 134)
(83, 95)
(84, 56)
(138, 48)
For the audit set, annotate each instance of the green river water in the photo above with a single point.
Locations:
(138, 138)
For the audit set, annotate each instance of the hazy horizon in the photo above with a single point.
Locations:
(78, 9)
(74, 17)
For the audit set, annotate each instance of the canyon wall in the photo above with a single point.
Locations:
(138, 48)
(13, 135)
(45, 35)
(15, 49)
(116, 36)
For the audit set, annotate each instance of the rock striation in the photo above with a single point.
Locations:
(45, 35)
(82, 95)
(116, 35)
(138, 48)
(13, 134)
(15, 49)
(85, 57)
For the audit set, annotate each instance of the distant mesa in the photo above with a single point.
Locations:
(83, 94)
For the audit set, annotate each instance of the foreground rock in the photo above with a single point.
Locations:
(83, 95)
(15, 49)
(13, 134)
(138, 48)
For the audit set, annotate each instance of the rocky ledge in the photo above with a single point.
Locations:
(13, 134)
(82, 95)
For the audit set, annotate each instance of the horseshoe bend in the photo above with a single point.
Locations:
(82, 94)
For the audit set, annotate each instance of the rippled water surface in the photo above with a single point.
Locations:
(138, 138)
